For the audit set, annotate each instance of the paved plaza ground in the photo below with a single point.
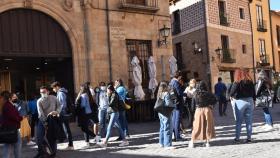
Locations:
(144, 142)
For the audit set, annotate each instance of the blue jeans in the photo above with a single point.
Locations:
(165, 131)
(40, 139)
(176, 123)
(244, 111)
(102, 121)
(123, 122)
(114, 120)
(267, 116)
(13, 149)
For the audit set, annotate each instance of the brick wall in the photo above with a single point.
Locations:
(232, 9)
(192, 16)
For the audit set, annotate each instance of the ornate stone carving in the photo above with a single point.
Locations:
(67, 5)
(87, 4)
(28, 3)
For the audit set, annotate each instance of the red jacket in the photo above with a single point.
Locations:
(10, 116)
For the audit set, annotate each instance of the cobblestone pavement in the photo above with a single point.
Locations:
(144, 142)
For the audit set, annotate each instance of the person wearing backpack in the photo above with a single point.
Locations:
(176, 93)
(62, 96)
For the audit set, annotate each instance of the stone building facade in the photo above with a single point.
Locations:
(262, 40)
(105, 34)
(275, 25)
(215, 39)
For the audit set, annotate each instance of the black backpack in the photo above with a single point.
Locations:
(70, 107)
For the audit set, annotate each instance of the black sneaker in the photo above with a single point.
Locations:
(248, 141)
(236, 141)
(119, 139)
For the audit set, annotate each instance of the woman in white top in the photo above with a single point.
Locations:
(189, 93)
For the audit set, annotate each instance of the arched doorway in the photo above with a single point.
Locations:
(34, 51)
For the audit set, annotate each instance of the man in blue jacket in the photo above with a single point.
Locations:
(61, 94)
(220, 92)
(175, 86)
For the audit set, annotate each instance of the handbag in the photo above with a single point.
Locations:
(8, 135)
(162, 108)
(265, 100)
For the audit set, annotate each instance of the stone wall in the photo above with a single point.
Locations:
(90, 46)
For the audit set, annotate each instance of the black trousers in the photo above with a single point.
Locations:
(222, 106)
(33, 123)
(67, 130)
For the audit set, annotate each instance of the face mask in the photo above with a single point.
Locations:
(97, 90)
(15, 101)
(44, 95)
(103, 88)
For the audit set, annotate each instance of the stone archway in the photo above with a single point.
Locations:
(69, 27)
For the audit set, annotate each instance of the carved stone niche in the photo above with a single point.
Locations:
(28, 3)
(67, 5)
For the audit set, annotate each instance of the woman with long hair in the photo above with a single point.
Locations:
(203, 125)
(10, 118)
(113, 111)
(264, 87)
(122, 92)
(165, 132)
(243, 93)
(87, 113)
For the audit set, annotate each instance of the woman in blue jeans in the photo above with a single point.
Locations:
(113, 110)
(263, 87)
(243, 94)
(165, 132)
(122, 92)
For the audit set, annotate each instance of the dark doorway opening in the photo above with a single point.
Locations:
(27, 75)
(34, 51)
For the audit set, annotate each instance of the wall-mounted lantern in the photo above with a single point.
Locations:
(196, 48)
(164, 34)
(219, 51)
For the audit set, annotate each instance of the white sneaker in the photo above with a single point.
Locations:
(207, 145)
(124, 143)
(102, 145)
(30, 143)
(69, 148)
(169, 148)
(269, 128)
(97, 139)
(191, 145)
(160, 145)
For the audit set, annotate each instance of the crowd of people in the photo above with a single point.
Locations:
(46, 119)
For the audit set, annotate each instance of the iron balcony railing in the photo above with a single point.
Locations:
(224, 19)
(264, 60)
(228, 56)
(143, 5)
(262, 25)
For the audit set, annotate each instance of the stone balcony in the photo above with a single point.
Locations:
(140, 5)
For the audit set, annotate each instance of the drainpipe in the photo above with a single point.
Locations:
(252, 39)
(109, 40)
(86, 38)
(207, 46)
